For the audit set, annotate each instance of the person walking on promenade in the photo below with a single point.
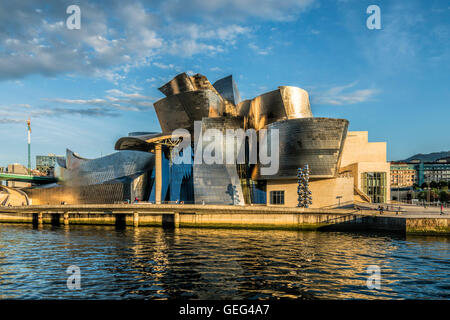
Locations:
(442, 209)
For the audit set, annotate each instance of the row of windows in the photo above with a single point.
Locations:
(403, 171)
(276, 197)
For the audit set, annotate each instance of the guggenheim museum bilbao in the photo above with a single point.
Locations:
(216, 149)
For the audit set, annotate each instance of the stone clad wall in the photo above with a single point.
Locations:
(357, 148)
(428, 225)
(324, 191)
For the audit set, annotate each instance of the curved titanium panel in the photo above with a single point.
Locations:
(181, 110)
(131, 143)
(218, 183)
(317, 142)
(171, 114)
(136, 142)
(73, 160)
(202, 103)
(265, 109)
(243, 108)
(184, 83)
(180, 83)
(296, 102)
(227, 88)
(202, 83)
(61, 162)
(122, 165)
(284, 103)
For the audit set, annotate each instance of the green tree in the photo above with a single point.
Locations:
(444, 196)
(443, 184)
(434, 184)
(422, 195)
(434, 196)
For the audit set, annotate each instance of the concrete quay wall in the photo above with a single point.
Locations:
(428, 225)
(204, 218)
(292, 221)
(226, 217)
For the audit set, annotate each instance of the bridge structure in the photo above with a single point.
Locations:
(27, 178)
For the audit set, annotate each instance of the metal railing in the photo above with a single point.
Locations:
(421, 203)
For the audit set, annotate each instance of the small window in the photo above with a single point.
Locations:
(276, 197)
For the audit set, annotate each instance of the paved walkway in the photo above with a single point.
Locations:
(408, 210)
(15, 198)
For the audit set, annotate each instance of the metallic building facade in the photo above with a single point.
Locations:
(119, 166)
(218, 183)
(303, 139)
(316, 142)
(228, 89)
(120, 176)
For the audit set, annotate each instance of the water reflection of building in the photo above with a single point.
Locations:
(251, 264)
(344, 166)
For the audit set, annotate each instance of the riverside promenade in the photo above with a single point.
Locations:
(220, 216)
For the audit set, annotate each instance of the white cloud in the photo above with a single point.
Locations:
(258, 50)
(116, 36)
(163, 66)
(114, 100)
(189, 47)
(135, 95)
(227, 33)
(341, 95)
(47, 47)
(11, 121)
(21, 105)
(239, 9)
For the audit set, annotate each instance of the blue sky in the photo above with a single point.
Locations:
(83, 89)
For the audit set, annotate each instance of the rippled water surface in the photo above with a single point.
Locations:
(153, 263)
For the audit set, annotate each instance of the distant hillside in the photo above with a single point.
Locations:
(429, 156)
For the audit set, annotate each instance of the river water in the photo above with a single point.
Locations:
(154, 263)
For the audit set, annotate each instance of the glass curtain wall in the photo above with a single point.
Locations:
(374, 185)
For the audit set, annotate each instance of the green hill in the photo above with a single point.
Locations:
(429, 156)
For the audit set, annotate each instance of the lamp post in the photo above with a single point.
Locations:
(428, 189)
